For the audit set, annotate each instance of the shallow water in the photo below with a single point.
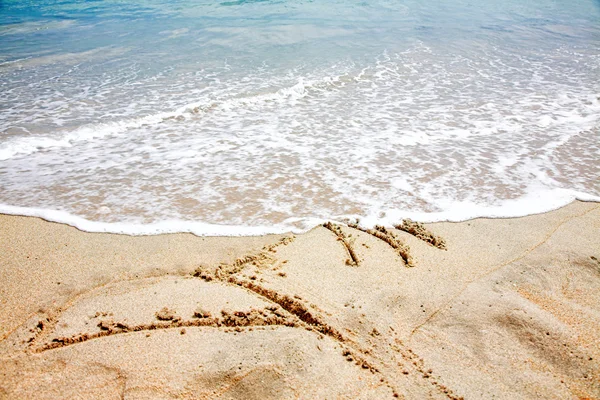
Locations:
(258, 116)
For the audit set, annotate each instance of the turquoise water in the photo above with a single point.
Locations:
(256, 116)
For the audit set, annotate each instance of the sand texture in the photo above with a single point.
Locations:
(483, 309)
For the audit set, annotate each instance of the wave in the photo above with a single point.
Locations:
(533, 203)
(22, 146)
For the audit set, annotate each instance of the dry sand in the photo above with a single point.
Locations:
(509, 310)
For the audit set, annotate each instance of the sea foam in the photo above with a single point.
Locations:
(267, 117)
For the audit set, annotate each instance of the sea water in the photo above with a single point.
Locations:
(248, 117)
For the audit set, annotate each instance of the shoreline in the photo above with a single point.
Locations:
(508, 309)
(528, 205)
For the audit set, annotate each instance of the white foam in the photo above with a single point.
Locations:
(163, 227)
(25, 145)
(21, 146)
(535, 202)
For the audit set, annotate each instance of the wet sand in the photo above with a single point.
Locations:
(503, 308)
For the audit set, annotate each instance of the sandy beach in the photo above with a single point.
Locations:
(503, 309)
